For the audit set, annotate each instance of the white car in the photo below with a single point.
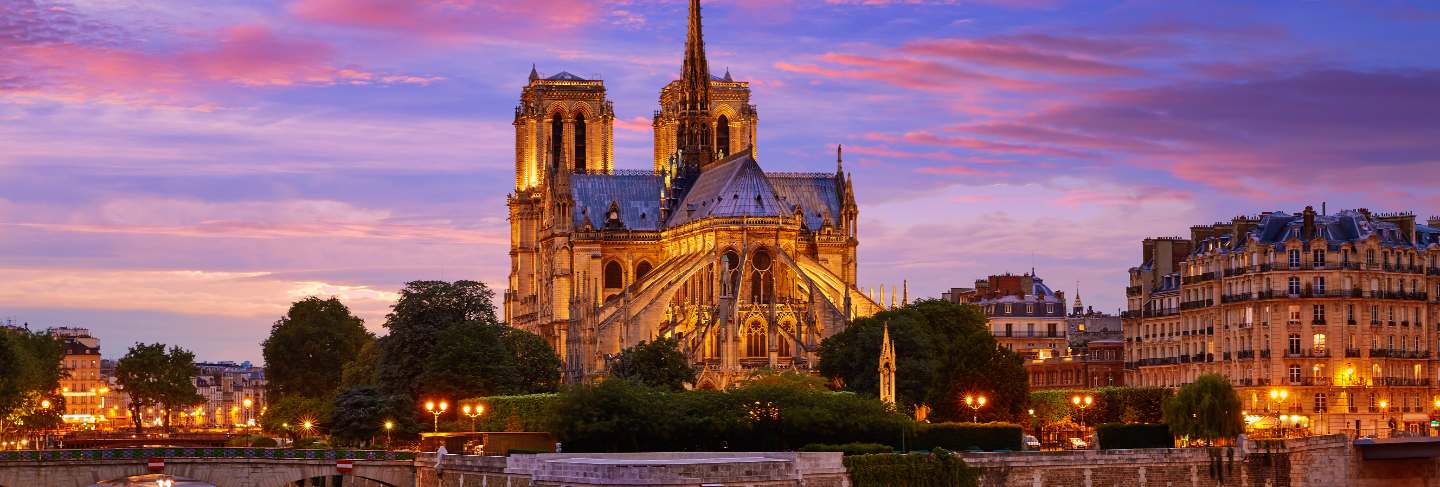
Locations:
(1078, 444)
(1031, 443)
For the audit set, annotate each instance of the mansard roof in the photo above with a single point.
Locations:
(1347, 226)
(636, 195)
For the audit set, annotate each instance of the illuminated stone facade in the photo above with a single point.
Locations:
(1336, 310)
(747, 269)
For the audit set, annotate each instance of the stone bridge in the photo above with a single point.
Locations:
(223, 467)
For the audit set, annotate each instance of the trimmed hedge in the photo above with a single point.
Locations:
(1117, 436)
(939, 468)
(850, 448)
(968, 436)
(529, 412)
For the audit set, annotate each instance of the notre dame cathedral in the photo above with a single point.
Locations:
(746, 269)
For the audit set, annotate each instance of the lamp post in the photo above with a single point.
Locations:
(975, 403)
(1384, 411)
(247, 403)
(473, 412)
(389, 426)
(1277, 401)
(436, 410)
(1082, 402)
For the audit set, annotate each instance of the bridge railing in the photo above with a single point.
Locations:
(184, 452)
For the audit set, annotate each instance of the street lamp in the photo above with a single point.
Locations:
(975, 403)
(473, 413)
(1277, 402)
(436, 410)
(1385, 411)
(389, 425)
(247, 403)
(1082, 402)
(306, 426)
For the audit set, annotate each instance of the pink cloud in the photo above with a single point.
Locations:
(454, 19)
(905, 72)
(245, 55)
(959, 171)
(1123, 196)
(1004, 55)
(634, 124)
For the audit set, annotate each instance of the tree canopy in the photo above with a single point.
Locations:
(153, 376)
(308, 347)
(943, 351)
(659, 363)
(29, 375)
(1206, 409)
(445, 341)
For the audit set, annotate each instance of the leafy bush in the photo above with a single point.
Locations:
(968, 436)
(264, 442)
(1116, 436)
(849, 448)
(937, 469)
(527, 412)
(1112, 405)
(774, 413)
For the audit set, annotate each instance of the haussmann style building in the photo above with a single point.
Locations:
(746, 268)
(1335, 313)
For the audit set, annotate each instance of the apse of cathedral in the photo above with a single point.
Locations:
(746, 269)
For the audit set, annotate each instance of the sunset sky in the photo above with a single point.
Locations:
(180, 171)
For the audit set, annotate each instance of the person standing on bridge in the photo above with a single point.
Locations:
(439, 464)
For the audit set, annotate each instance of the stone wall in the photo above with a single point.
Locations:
(668, 469)
(1319, 462)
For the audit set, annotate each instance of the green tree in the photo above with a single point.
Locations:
(659, 363)
(153, 376)
(424, 310)
(1206, 409)
(29, 375)
(445, 342)
(537, 367)
(290, 414)
(359, 415)
(943, 351)
(308, 347)
(361, 370)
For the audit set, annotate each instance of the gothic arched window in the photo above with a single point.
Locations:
(755, 340)
(731, 278)
(580, 143)
(722, 135)
(614, 275)
(762, 280)
(557, 140)
(782, 345)
(642, 269)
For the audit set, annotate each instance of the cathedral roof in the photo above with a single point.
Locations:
(817, 194)
(637, 196)
(565, 76)
(736, 187)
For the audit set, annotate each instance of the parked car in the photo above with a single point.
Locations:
(1031, 443)
(1078, 444)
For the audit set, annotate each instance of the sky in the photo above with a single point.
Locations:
(181, 171)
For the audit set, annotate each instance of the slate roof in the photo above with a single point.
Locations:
(1347, 226)
(637, 197)
(817, 194)
(736, 187)
(565, 76)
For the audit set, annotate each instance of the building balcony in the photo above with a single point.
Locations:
(1318, 322)
(1264, 354)
(1352, 353)
(1199, 278)
(1237, 298)
(1133, 291)
(1401, 381)
(1245, 355)
(1199, 304)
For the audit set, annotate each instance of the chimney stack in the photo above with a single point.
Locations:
(1307, 231)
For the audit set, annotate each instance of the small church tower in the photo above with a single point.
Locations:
(887, 368)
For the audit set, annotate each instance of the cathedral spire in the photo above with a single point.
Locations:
(839, 159)
(693, 135)
(695, 74)
(534, 75)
